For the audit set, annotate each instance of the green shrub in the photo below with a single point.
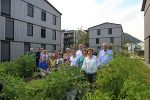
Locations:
(97, 95)
(27, 65)
(11, 68)
(123, 78)
(64, 80)
(13, 87)
(134, 90)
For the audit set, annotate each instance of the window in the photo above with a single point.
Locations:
(99, 32)
(9, 29)
(97, 40)
(26, 47)
(5, 7)
(30, 10)
(29, 29)
(54, 20)
(53, 48)
(54, 34)
(43, 46)
(5, 51)
(111, 39)
(110, 31)
(43, 32)
(43, 16)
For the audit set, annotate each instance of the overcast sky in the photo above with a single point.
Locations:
(88, 13)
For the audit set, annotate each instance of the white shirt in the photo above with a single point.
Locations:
(78, 53)
(59, 61)
(90, 65)
(73, 61)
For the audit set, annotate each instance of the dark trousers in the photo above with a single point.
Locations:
(91, 77)
(1, 87)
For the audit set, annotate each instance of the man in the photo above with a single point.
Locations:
(37, 55)
(79, 52)
(105, 55)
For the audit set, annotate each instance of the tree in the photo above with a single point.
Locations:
(81, 37)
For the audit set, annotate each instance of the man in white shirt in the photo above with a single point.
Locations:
(105, 55)
(79, 52)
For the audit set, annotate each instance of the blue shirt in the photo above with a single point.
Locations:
(104, 57)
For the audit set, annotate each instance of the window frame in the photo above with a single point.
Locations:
(28, 24)
(98, 31)
(43, 36)
(110, 31)
(3, 13)
(53, 47)
(111, 39)
(53, 34)
(27, 43)
(43, 14)
(8, 38)
(97, 40)
(3, 42)
(28, 14)
(54, 19)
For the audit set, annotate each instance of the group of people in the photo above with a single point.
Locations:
(83, 58)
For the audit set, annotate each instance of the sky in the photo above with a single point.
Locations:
(88, 13)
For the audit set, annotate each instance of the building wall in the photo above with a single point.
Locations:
(0, 51)
(147, 19)
(19, 14)
(2, 28)
(147, 31)
(16, 49)
(62, 41)
(146, 52)
(117, 33)
(69, 39)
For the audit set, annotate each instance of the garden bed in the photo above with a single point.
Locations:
(123, 78)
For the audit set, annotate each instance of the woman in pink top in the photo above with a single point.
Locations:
(67, 55)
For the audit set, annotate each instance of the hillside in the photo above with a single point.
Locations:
(131, 39)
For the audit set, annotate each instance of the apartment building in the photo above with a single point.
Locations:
(68, 39)
(146, 10)
(26, 24)
(107, 32)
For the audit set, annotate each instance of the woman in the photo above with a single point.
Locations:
(80, 60)
(90, 66)
(43, 64)
(59, 60)
(73, 59)
(44, 56)
(67, 55)
(52, 62)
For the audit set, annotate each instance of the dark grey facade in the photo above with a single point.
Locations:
(26, 24)
(68, 39)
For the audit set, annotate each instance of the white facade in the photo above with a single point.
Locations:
(20, 18)
(146, 10)
(108, 32)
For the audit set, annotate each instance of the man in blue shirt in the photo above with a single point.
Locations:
(105, 55)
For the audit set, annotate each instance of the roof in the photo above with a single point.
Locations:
(53, 7)
(105, 23)
(143, 5)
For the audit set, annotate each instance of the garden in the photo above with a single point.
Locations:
(125, 78)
